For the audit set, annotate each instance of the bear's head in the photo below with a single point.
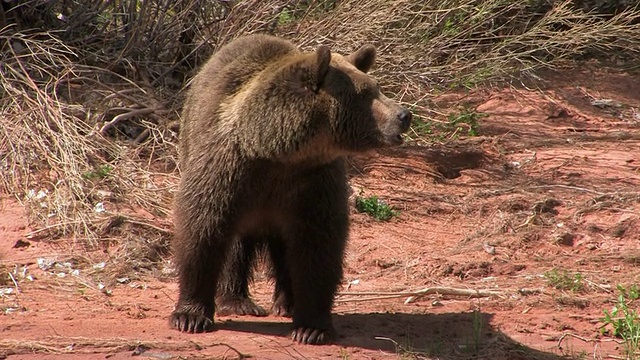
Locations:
(363, 117)
(345, 101)
(318, 106)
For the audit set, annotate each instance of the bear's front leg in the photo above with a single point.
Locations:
(316, 273)
(315, 255)
(199, 256)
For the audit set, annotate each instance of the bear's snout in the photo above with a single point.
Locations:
(394, 123)
(404, 117)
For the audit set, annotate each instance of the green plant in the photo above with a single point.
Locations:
(100, 172)
(632, 293)
(565, 280)
(473, 78)
(478, 325)
(296, 12)
(421, 126)
(466, 121)
(406, 350)
(285, 17)
(375, 207)
(624, 321)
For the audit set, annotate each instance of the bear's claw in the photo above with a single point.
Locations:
(311, 336)
(190, 322)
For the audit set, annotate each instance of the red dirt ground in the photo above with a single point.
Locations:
(552, 181)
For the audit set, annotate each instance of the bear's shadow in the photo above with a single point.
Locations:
(442, 336)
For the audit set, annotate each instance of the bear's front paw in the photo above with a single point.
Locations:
(312, 336)
(191, 322)
(240, 306)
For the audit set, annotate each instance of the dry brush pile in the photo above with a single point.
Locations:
(91, 90)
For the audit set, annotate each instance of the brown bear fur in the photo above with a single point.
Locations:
(264, 133)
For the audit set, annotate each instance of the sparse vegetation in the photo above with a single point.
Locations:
(478, 328)
(465, 123)
(99, 173)
(110, 75)
(375, 207)
(565, 280)
(624, 322)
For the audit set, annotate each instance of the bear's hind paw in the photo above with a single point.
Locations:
(241, 306)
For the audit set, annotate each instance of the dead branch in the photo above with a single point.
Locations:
(413, 296)
(82, 345)
(116, 119)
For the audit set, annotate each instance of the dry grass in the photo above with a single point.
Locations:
(80, 345)
(91, 90)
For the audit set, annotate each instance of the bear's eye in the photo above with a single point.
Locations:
(375, 89)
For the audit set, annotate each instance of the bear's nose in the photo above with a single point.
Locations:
(405, 119)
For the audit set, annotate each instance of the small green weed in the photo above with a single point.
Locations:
(285, 17)
(473, 79)
(478, 325)
(100, 172)
(466, 122)
(463, 123)
(421, 126)
(565, 280)
(375, 207)
(406, 350)
(632, 293)
(453, 24)
(623, 322)
(299, 9)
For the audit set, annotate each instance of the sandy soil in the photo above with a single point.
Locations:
(551, 182)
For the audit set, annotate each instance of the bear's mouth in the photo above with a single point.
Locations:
(394, 140)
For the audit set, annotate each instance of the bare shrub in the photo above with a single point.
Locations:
(91, 90)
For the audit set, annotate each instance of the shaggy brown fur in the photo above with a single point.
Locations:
(263, 136)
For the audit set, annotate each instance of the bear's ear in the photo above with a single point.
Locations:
(323, 59)
(364, 58)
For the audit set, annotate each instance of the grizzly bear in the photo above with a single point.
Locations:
(264, 133)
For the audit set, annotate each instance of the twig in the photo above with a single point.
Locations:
(33, 233)
(116, 119)
(388, 339)
(569, 187)
(142, 223)
(574, 336)
(415, 295)
(15, 283)
(83, 345)
(603, 287)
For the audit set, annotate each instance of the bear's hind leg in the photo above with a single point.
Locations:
(283, 294)
(233, 288)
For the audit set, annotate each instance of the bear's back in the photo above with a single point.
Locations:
(228, 70)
